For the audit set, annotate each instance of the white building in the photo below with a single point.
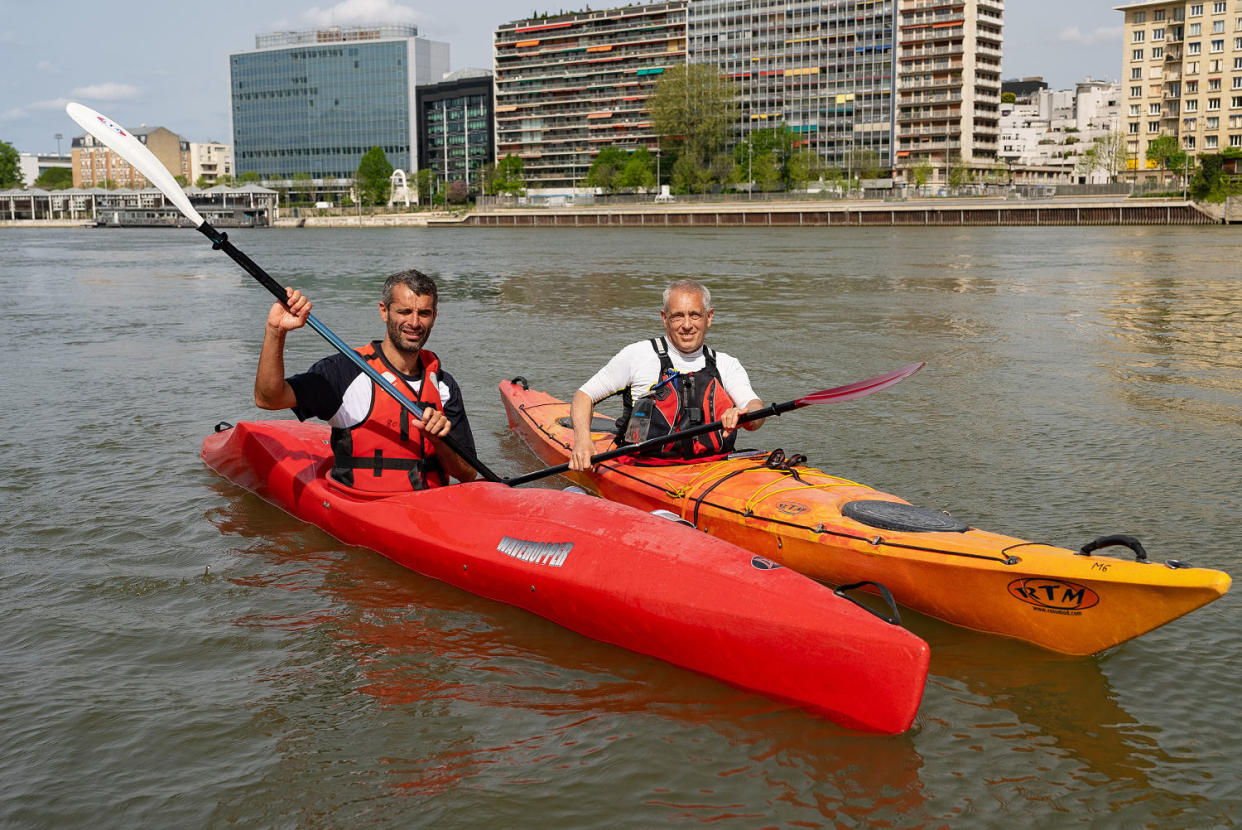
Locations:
(32, 165)
(210, 160)
(1044, 141)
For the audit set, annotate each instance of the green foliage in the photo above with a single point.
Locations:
(250, 176)
(509, 176)
(1009, 98)
(374, 177)
(10, 167)
(425, 181)
(1106, 153)
(606, 168)
(201, 182)
(693, 110)
(181, 180)
(55, 178)
(803, 167)
(1167, 152)
(863, 163)
(921, 173)
(302, 184)
(638, 172)
(225, 180)
(1210, 182)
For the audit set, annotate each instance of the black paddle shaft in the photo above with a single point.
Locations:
(220, 241)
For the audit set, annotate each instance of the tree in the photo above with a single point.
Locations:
(374, 177)
(864, 163)
(201, 182)
(1107, 153)
(55, 178)
(606, 168)
(1210, 182)
(181, 180)
(694, 109)
(225, 180)
(921, 173)
(457, 192)
(638, 172)
(509, 176)
(1009, 98)
(804, 167)
(775, 143)
(250, 176)
(10, 167)
(1167, 152)
(425, 181)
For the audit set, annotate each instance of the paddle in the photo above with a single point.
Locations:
(848, 392)
(142, 160)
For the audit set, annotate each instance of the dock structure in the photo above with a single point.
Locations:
(905, 214)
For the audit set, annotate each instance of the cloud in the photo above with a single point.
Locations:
(17, 114)
(109, 91)
(360, 12)
(1101, 34)
(53, 104)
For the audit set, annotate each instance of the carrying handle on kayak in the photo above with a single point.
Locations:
(1122, 539)
(884, 592)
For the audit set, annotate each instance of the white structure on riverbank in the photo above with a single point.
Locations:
(1048, 138)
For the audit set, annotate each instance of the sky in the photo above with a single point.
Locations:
(166, 64)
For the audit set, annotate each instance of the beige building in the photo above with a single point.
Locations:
(210, 160)
(1181, 77)
(95, 164)
(948, 85)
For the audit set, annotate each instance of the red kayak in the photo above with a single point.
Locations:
(606, 571)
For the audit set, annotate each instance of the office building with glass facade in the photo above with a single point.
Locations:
(455, 138)
(314, 102)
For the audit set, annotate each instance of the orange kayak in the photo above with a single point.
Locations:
(839, 531)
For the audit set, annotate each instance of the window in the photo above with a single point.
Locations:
(1139, 17)
(1218, 7)
(1213, 84)
(1196, 10)
(1215, 66)
(1192, 87)
(1211, 122)
(1138, 36)
(1235, 102)
(1192, 105)
(1193, 48)
(1210, 142)
(1136, 55)
(1218, 46)
(1157, 34)
(1153, 126)
(1134, 111)
(1192, 67)
(1237, 82)
(1157, 52)
(1153, 108)
(1218, 26)
(1235, 141)
(1134, 127)
(1158, 14)
(1194, 29)
(1136, 92)
(1213, 104)
(1190, 142)
(1136, 74)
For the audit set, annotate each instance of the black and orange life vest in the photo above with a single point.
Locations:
(386, 452)
(681, 401)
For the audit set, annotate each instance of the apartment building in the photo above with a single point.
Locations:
(948, 85)
(94, 163)
(568, 84)
(315, 101)
(1045, 138)
(1182, 77)
(825, 70)
(209, 160)
(456, 127)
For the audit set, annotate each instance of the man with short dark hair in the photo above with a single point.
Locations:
(674, 382)
(377, 445)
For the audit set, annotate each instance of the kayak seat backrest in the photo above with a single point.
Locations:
(894, 515)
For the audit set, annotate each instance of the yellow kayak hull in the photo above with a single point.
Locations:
(1046, 595)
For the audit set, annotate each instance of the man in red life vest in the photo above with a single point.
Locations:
(377, 445)
(687, 384)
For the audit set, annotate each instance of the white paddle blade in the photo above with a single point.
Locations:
(136, 153)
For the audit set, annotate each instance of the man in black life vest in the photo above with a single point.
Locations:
(687, 382)
(377, 445)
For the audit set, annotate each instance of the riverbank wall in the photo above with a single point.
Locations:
(905, 214)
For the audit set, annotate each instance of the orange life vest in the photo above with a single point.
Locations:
(682, 401)
(386, 452)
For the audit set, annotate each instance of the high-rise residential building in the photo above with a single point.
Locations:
(94, 163)
(455, 134)
(569, 84)
(1182, 77)
(209, 160)
(1046, 138)
(824, 69)
(314, 102)
(949, 84)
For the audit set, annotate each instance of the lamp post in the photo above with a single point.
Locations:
(750, 166)
(59, 136)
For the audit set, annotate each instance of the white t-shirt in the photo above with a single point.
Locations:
(638, 366)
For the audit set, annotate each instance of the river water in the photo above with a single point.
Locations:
(179, 653)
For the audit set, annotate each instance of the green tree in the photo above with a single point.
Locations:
(425, 181)
(302, 185)
(201, 182)
(10, 167)
(1107, 153)
(55, 178)
(374, 177)
(777, 143)
(225, 180)
(510, 176)
(694, 109)
(766, 171)
(249, 176)
(804, 167)
(606, 168)
(181, 180)
(1168, 154)
(638, 172)
(921, 173)
(1009, 98)
(864, 163)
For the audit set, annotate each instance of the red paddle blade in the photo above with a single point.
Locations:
(861, 388)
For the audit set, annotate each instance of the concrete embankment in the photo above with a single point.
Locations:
(908, 214)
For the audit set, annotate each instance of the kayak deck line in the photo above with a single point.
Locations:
(609, 572)
(621, 469)
(1073, 602)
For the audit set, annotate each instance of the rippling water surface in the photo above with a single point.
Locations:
(179, 653)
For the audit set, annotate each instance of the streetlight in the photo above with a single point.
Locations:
(59, 136)
(750, 166)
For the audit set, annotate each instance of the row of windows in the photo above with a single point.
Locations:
(1196, 10)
